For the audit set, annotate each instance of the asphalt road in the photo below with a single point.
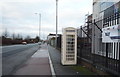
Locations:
(15, 55)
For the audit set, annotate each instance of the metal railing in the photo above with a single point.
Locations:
(104, 62)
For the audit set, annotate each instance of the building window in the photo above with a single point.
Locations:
(105, 5)
(111, 13)
(111, 20)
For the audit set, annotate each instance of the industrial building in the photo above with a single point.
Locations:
(99, 39)
(106, 35)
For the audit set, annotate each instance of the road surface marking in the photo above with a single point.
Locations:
(51, 66)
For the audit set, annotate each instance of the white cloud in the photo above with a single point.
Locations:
(0, 29)
(24, 1)
(18, 15)
(9, 11)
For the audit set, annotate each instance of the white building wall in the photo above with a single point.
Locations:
(96, 10)
(98, 14)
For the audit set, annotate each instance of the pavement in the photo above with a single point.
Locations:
(60, 70)
(46, 62)
(39, 64)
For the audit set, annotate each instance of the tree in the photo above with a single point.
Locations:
(37, 39)
(19, 37)
(13, 36)
(28, 37)
(5, 33)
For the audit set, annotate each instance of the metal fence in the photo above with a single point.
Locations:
(103, 62)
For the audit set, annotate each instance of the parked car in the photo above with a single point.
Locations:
(39, 43)
(24, 43)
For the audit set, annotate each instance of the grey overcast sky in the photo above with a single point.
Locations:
(18, 16)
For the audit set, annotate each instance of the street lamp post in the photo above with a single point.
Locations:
(39, 24)
(56, 21)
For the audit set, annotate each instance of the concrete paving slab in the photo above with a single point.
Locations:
(35, 66)
(37, 61)
(41, 53)
(38, 64)
(34, 70)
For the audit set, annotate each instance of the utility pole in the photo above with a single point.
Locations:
(39, 24)
(56, 22)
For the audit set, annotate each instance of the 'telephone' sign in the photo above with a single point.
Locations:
(111, 34)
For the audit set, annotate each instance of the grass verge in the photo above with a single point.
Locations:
(83, 70)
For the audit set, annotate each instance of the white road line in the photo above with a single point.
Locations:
(51, 66)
